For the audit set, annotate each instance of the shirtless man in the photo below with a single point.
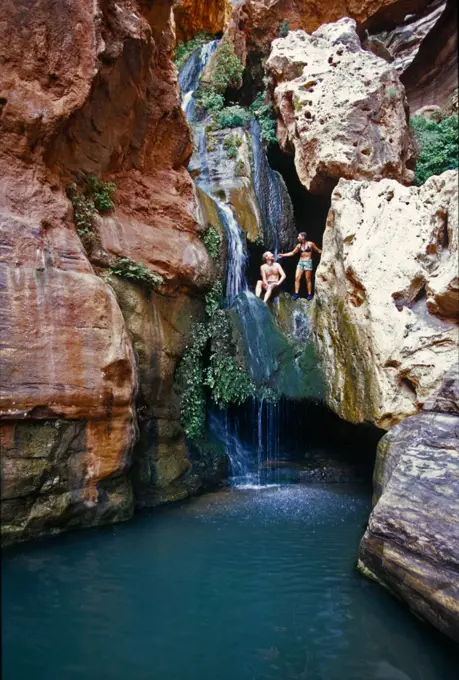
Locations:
(305, 249)
(272, 275)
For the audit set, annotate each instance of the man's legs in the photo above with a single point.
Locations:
(259, 288)
(268, 293)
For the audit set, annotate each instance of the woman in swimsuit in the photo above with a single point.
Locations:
(305, 249)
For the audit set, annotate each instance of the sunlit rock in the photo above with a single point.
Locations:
(341, 109)
(387, 302)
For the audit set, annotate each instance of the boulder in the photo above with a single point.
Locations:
(341, 109)
(411, 545)
(386, 306)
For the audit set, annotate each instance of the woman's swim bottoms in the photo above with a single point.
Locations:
(305, 265)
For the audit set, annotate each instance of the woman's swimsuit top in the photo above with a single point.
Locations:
(305, 250)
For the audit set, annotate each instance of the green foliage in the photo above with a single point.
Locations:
(189, 383)
(231, 145)
(186, 49)
(240, 170)
(284, 29)
(213, 299)
(209, 100)
(438, 146)
(264, 113)
(136, 271)
(91, 197)
(232, 116)
(229, 382)
(212, 241)
(228, 69)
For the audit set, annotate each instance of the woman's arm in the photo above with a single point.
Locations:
(293, 252)
(314, 247)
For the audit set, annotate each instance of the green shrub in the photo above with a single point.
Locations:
(264, 113)
(212, 241)
(438, 146)
(227, 70)
(186, 49)
(240, 170)
(233, 116)
(213, 299)
(231, 145)
(136, 271)
(189, 383)
(89, 197)
(209, 100)
(284, 29)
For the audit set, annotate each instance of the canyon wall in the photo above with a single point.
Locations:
(90, 88)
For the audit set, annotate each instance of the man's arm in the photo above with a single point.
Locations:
(293, 252)
(263, 274)
(283, 275)
(314, 247)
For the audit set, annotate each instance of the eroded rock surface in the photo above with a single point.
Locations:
(341, 109)
(387, 297)
(86, 88)
(411, 545)
(200, 16)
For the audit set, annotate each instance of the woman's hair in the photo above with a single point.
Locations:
(303, 234)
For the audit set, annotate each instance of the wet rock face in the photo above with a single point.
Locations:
(341, 109)
(69, 356)
(387, 301)
(411, 545)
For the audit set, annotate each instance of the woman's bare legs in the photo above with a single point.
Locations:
(298, 275)
(309, 282)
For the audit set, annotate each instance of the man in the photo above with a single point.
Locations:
(272, 276)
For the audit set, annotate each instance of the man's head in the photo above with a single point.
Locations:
(268, 257)
(302, 236)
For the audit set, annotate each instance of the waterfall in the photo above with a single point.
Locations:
(274, 201)
(237, 256)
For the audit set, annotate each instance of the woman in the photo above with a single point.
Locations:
(305, 249)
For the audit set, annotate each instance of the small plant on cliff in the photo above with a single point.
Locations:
(284, 29)
(231, 145)
(186, 49)
(240, 170)
(90, 197)
(189, 382)
(136, 271)
(438, 144)
(212, 241)
(228, 69)
(264, 113)
(233, 116)
(208, 99)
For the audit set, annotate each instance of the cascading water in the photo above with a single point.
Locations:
(263, 342)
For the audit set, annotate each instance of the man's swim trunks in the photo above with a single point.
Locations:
(305, 265)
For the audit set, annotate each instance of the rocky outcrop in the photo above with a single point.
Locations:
(200, 16)
(387, 299)
(340, 108)
(411, 545)
(70, 376)
(424, 48)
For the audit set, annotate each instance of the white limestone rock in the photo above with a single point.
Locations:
(387, 300)
(340, 108)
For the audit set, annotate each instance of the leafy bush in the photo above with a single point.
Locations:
(438, 146)
(231, 145)
(227, 70)
(189, 382)
(233, 116)
(209, 100)
(136, 271)
(186, 49)
(90, 197)
(284, 29)
(212, 241)
(264, 113)
(213, 298)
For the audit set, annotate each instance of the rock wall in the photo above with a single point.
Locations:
(411, 545)
(341, 109)
(200, 16)
(69, 374)
(387, 298)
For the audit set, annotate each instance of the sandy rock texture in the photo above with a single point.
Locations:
(69, 371)
(411, 544)
(341, 109)
(200, 16)
(424, 48)
(387, 298)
